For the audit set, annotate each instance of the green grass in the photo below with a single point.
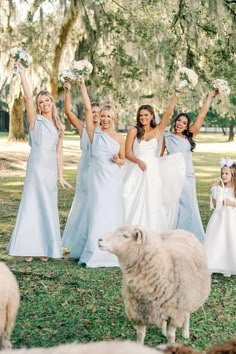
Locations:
(61, 302)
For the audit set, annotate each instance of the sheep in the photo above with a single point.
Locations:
(113, 347)
(9, 304)
(177, 349)
(228, 347)
(165, 277)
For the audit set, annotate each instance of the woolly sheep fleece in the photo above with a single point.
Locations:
(165, 277)
(113, 347)
(9, 304)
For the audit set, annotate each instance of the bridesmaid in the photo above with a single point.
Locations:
(104, 207)
(181, 140)
(72, 229)
(37, 228)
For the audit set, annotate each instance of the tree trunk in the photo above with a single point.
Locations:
(223, 130)
(62, 41)
(231, 132)
(16, 131)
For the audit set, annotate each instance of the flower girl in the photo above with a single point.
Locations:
(220, 241)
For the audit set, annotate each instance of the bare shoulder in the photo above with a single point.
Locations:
(119, 138)
(132, 132)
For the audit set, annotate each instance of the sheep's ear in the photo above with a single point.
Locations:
(138, 235)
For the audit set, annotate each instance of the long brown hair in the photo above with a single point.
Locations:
(186, 132)
(139, 125)
(55, 116)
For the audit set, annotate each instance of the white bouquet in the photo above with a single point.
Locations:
(187, 77)
(81, 68)
(222, 87)
(67, 75)
(22, 57)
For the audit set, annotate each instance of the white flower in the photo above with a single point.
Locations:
(22, 56)
(81, 67)
(222, 87)
(185, 74)
(67, 75)
(13, 52)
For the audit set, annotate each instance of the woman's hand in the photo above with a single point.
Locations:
(115, 158)
(119, 161)
(18, 66)
(142, 165)
(179, 90)
(64, 183)
(80, 80)
(214, 94)
(67, 86)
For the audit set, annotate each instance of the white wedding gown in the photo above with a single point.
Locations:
(151, 196)
(220, 240)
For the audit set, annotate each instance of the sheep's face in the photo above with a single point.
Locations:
(120, 240)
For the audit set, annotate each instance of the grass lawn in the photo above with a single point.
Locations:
(61, 302)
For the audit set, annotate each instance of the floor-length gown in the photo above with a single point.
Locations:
(77, 215)
(143, 197)
(104, 206)
(37, 229)
(188, 215)
(220, 240)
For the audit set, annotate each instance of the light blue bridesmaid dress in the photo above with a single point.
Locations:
(77, 215)
(188, 216)
(104, 207)
(37, 228)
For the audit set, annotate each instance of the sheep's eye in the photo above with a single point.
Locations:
(125, 236)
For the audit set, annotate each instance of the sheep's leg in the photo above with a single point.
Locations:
(164, 328)
(185, 328)
(171, 333)
(5, 342)
(141, 331)
(4, 338)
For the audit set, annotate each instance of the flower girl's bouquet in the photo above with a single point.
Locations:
(222, 87)
(186, 77)
(22, 57)
(81, 68)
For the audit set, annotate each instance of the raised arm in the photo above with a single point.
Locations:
(28, 97)
(88, 111)
(196, 126)
(163, 147)
(77, 123)
(167, 115)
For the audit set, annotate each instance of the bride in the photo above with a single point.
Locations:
(143, 175)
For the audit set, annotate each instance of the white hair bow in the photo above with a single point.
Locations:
(226, 161)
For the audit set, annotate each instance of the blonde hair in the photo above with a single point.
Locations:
(233, 171)
(55, 116)
(109, 108)
(233, 175)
